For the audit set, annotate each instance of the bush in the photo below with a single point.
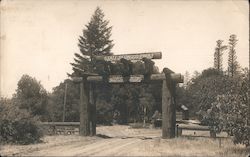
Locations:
(17, 126)
(21, 132)
(224, 104)
(230, 113)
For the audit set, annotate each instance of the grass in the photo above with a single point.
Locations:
(201, 146)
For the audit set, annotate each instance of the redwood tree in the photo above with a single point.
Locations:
(95, 40)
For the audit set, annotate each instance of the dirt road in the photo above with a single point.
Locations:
(122, 141)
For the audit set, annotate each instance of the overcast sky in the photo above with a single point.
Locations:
(39, 38)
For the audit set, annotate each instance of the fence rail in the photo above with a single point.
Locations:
(61, 123)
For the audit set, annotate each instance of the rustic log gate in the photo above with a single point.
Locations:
(168, 79)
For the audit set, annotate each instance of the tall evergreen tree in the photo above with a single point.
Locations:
(218, 55)
(95, 40)
(233, 65)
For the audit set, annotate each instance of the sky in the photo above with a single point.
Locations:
(39, 38)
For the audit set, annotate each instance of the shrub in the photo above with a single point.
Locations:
(230, 113)
(17, 126)
(21, 132)
(229, 109)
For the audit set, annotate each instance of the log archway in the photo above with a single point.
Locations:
(168, 79)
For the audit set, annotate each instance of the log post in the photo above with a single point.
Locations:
(173, 107)
(92, 110)
(166, 111)
(168, 107)
(84, 129)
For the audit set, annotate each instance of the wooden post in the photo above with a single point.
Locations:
(84, 110)
(167, 112)
(168, 105)
(92, 110)
(219, 142)
(173, 107)
(64, 101)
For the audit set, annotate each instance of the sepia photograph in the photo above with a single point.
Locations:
(125, 78)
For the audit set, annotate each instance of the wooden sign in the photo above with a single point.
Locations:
(131, 57)
(120, 79)
(116, 79)
(136, 78)
(77, 79)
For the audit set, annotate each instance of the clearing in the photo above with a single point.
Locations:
(121, 140)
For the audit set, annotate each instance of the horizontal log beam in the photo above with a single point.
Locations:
(137, 56)
(117, 78)
(178, 78)
(157, 77)
(83, 72)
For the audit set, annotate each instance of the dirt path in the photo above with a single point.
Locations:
(123, 141)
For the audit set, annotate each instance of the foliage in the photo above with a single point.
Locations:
(56, 101)
(230, 112)
(221, 102)
(233, 65)
(209, 72)
(147, 103)
(104, 109)
(201, 91)
(18, 125)
(183, 97)
(131, 101)
(218, 55)
(119, 102)
(31, 95)
(187, 79)
(95, 40)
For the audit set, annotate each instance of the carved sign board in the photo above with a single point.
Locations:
(116, 79)
(139, 56)
(120, 79)
(138, 78)
(77, 79)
